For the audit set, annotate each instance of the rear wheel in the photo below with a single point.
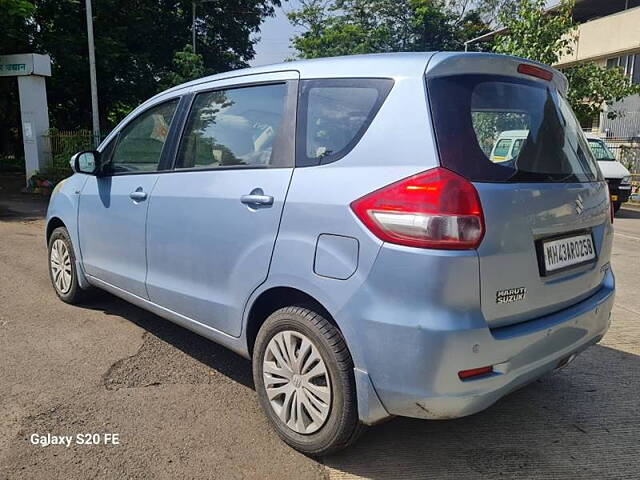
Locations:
(62, 268)
(303, 373)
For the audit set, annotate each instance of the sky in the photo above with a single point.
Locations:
(275, 33)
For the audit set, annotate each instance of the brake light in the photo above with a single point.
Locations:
(434, 209)
(475, 372)
(534, 71)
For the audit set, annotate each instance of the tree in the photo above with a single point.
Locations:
(594, 89)
(16, 8)
(546, 36)
(14, 16)
(135, 47)
(533, 33)
(187, 65)
(343, 27)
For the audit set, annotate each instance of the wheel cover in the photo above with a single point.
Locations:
(297, 382)
(60, 262)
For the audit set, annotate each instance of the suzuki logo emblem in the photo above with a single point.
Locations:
(579, 205)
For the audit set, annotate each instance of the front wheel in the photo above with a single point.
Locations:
(303, 373)
(62, 268)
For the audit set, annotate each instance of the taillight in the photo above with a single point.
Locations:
(434, 209)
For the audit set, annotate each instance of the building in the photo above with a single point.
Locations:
(608, 35)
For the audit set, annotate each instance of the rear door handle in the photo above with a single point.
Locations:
(138, 195)
(254, 199)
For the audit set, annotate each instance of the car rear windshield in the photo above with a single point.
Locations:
(478, 118)
(601, 151)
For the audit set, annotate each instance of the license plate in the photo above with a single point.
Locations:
(614, 198)
(566, 252)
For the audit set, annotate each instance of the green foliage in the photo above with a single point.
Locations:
(135, 47)
(535, 34)
(547, 37)
(187, 65)
(16, 8)
(344, 27)
(593, 87)
(489, 125)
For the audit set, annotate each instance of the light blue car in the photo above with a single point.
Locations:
(340, 222)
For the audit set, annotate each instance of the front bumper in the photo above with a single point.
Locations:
(620, 193)
(426, 384)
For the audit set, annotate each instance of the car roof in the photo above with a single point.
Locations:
(514, 133)
(368, 65)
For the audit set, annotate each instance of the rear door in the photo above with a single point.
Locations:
(213, 220)
(547, 214)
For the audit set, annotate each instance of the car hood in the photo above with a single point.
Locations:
(613, 169)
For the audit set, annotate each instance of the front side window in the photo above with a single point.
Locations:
(139, 145)
(477, 117)
(334, 114)
(237, 127)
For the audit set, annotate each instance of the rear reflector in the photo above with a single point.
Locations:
(434, 209)
(474, 372)
(534, 71)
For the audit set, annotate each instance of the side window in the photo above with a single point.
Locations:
(140, 143)
(107, 151)
(334, 114)
(517, 145)
(234, 127)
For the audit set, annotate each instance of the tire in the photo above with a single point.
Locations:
(65, 278)
(616, 207)
(341, 426)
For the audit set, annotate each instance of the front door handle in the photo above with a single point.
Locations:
(254, 199)
(138, 195)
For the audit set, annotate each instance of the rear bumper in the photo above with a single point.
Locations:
(421, 380)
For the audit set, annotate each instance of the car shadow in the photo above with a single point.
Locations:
(579, 422)
(205, 351)
(628, 213)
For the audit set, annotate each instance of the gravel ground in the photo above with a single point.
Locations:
(185, 407)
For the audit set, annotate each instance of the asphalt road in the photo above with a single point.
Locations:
(185, 408)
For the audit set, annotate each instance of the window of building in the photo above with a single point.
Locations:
(630, 64)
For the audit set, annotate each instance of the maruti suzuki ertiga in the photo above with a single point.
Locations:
(344, 223)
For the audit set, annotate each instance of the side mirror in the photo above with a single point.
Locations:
(86, 162)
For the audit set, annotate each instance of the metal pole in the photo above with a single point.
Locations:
(193, 25)
(92, 73)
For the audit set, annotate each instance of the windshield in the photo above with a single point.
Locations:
(601, 151)
(477, 117)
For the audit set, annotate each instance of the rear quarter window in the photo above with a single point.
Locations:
(333, 114)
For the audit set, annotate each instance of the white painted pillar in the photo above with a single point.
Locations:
(35, 122)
